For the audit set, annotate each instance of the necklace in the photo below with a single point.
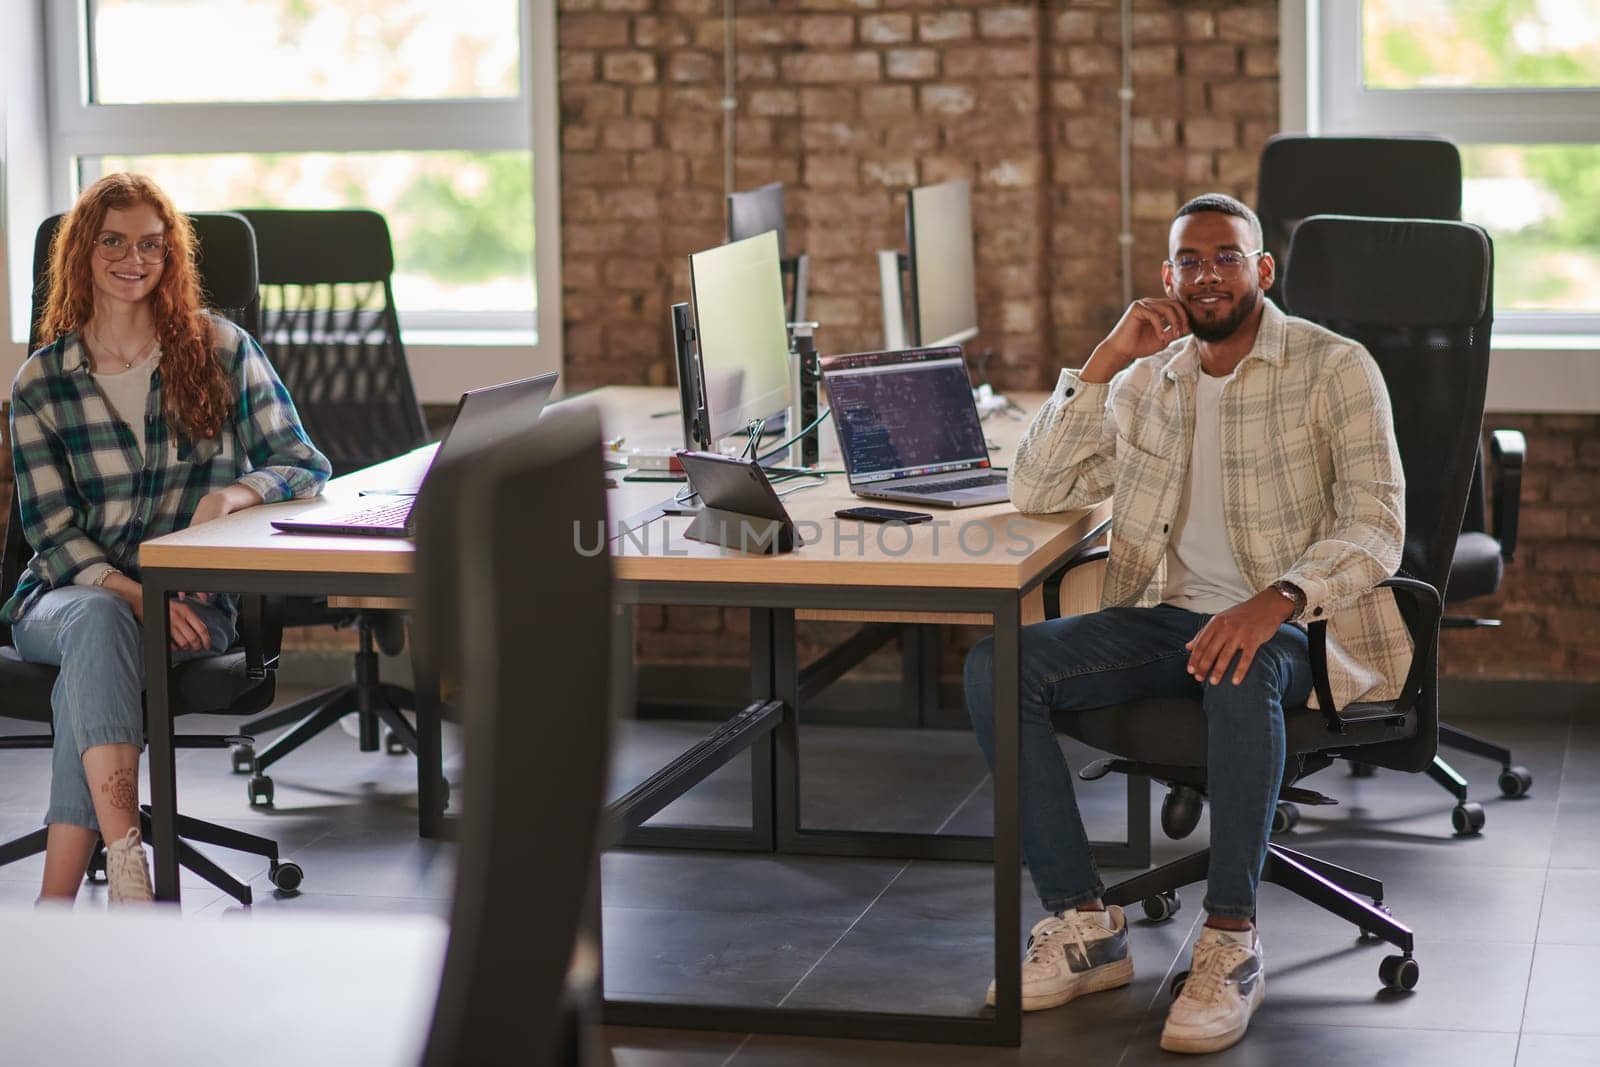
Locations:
(126, 361)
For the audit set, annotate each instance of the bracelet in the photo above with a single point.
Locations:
(105, 576)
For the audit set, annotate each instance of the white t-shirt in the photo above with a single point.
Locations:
(128, 392)
(1201, 572)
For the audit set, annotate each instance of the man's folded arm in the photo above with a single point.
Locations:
(1067, 456)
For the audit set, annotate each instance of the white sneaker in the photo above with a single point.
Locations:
(127, 871)
(1071, 954)
(1226, 984)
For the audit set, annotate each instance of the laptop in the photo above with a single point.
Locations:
(909, 430)
(482, 415)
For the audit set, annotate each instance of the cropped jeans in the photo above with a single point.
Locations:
(1123, 654)
(92, 636)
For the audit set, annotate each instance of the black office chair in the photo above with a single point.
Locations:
(329, 325)
(1417, 294)
(494, 553)
(1407, 178)
(239, 682)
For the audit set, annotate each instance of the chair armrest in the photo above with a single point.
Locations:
(1052, 584)
(1422, 609)
(1508, 449)
(261, 633)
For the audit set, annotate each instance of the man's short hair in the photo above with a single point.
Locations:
(1223, 204)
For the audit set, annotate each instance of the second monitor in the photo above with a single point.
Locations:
(942, 291)
(741, 335)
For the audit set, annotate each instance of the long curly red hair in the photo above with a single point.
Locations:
(197, 396)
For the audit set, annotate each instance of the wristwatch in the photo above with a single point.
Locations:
(1294, 595)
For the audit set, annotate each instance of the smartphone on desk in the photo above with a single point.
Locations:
(910, 518)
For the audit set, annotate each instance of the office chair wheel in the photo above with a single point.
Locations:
(243, 757)
(1175, 987)
(393, 745)
(1467, 818)
(1162, 907)
(1285, 817)
(1362, 770)
(1515, 782)
(260, 791)
(1399, 973)
(1180, 811)
(286, 876)
(95, 873)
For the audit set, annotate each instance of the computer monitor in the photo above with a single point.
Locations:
(741, 334)
(755, 211)
(944, 300)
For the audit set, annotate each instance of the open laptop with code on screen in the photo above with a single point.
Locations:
(909, 430)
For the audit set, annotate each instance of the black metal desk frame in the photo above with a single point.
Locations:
(159, 583)
(769, 728)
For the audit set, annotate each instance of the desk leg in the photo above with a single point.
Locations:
(1007, 831)
(431, 786)
(158, 735)
(764, 627)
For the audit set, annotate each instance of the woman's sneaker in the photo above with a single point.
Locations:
(1071, 954)
(127, 872)
(1225, 986)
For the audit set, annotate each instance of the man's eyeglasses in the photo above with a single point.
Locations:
(114, 249)
(1227, 264)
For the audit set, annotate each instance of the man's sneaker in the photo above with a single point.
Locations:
(1226, 983)
(127, 872)
(1071, 954)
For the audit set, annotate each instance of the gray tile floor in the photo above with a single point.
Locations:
(1507, 942)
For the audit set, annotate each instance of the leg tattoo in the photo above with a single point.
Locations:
(122, 789)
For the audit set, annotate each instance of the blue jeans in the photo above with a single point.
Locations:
(1123, 654)
(98, 698)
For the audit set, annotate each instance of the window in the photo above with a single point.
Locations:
(420, 109)
(1516, 84)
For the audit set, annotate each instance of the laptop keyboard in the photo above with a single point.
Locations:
(976, 482)
(392, 515)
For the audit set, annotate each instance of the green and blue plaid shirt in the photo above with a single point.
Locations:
(86, 493)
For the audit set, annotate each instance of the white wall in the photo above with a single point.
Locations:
(24, 170)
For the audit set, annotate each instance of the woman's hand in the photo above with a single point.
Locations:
(187, 632)
(220, 502)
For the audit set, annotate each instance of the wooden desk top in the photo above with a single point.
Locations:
(975, 548)
(248, 991)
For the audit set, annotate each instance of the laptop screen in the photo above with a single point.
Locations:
(904, 414)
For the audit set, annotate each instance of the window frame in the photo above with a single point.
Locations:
(1337, 101)
(80, 129)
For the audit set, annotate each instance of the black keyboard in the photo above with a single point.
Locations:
(976, 482)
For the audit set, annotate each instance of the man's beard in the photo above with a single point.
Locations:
(1222, 329)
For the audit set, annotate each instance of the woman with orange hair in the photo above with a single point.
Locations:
(143, 415)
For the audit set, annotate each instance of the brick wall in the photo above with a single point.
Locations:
(851, 102)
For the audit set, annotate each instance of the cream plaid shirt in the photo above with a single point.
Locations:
(1315, 493)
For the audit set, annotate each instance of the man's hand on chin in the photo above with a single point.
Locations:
(1243, 630)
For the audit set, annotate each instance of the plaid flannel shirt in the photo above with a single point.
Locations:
(88, 496)
(1311, 473)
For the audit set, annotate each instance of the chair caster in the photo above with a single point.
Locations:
(393, 745)
(1467, 818)
(286, 876)
(96, 872)
(1180, 811)
(1515, 782)
(1175, 987)
(1362, 770)
(243, 757)
(1285, 817)
(1399, 973)
(260, 791)
(1162, 907)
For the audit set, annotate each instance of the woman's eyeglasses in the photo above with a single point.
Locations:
(115, 249)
